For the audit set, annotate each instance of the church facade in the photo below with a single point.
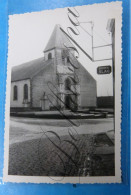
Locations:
(56, 81)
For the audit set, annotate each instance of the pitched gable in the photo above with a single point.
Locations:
(57, 40)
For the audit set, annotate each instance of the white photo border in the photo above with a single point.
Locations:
(118, 80)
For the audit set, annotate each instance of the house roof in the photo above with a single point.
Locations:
(29, 69)
(58, 39)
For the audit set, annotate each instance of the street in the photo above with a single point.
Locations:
(23, 129)
(61, 147)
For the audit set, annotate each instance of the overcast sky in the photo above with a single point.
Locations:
(30, 32)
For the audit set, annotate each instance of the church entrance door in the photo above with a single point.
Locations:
(67, 102)
(71, 102)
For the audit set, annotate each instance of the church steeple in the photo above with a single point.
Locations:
(60, 49)
(57, 43)
(57, 40)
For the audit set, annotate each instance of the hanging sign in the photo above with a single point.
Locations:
(104, 70)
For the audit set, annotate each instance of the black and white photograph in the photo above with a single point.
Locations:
(63, 96)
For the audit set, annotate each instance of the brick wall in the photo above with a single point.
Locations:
(105, 102)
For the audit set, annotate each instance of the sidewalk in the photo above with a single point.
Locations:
(64, 114)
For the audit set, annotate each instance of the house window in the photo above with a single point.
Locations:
(15, 94)
(25, 92)
(49, 56)
(67, 84)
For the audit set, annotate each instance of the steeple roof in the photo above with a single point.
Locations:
(57, 40)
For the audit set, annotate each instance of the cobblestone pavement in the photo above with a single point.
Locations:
(60, 148)
(62, 156)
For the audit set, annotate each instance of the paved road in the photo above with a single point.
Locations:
(23, 129)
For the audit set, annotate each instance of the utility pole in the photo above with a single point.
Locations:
(92, 26)
(111, 29)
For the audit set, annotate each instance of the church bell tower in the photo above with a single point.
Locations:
(60, 49)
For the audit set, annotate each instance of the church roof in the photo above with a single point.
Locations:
(58, 39)
(29, 69)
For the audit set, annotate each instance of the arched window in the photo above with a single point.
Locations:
(63, 58)
(49, 56)
(15, 94)
(67, 84)
(25, 92)
(68, 59)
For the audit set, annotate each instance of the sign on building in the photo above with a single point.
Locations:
(104, 70)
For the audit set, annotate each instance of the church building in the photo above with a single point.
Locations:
(56, 81)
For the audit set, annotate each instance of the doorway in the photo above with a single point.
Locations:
(67, 102)
(71, 102)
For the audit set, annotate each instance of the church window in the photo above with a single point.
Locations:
(67, 84)
(25, 92)
(63, 60)
(68, 59)
(49, 56)
(15, 93)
